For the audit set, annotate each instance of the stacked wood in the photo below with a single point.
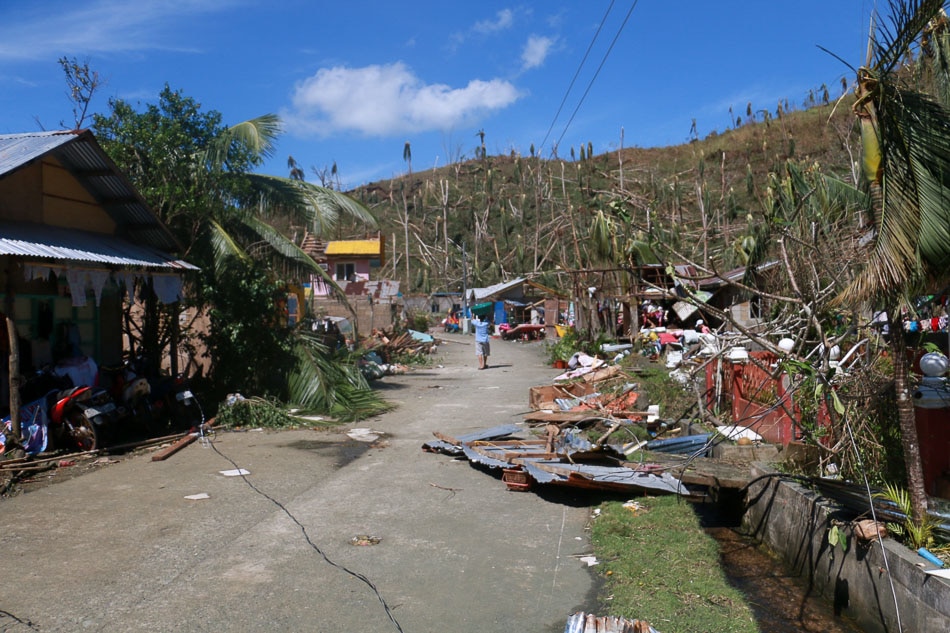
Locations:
(388, 344)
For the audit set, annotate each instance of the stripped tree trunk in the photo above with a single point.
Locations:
(906, 416)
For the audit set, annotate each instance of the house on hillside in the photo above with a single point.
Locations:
(352, 266)
(348, 261)
(75, 239)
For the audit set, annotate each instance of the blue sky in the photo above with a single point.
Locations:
(354, 81)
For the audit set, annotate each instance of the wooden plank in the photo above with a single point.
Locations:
(174, 448)
(561, 416)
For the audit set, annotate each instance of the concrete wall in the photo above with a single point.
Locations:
(380, 314)
(794, 522)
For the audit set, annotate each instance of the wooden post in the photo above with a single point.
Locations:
(173, 338)
(14, 357)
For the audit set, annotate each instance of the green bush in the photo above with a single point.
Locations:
(255, 413)
(419, 322)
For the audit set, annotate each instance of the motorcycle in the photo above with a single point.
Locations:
(155, 401)
(80, 417)
(87, 415)
(133, 392)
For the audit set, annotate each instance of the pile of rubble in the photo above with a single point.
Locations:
(601, 403)
(384, 347)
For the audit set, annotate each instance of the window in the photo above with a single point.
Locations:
(346, 272)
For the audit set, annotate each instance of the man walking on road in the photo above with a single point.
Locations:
(482, 346)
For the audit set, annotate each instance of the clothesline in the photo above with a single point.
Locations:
(167, 287)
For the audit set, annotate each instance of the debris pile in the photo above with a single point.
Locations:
(586, 434)
(384, 347)
(562, 458)
(581, 622)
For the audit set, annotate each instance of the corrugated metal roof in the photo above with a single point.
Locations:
(80, 153)
(17, 150)
(353, 247)
(42, 242)
(497, 289)
(581, 622)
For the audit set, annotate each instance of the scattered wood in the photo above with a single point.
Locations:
(387, 344)
(174, 448)
(545, 417)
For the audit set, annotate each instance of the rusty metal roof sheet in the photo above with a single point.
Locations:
(581, 622)
(43, 242)
(80, 153)
(593, 476)
(454, 447)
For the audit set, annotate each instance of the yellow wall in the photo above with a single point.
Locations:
(67, 204)
(47, 193)
(20, 195)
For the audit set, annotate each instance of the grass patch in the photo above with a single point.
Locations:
(660, 566)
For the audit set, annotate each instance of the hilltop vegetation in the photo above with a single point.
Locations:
(525, 215)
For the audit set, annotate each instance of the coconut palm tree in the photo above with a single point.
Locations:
(199, 177)
(905, 133)
(249, 205)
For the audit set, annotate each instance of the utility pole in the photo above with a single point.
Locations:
(464, 283)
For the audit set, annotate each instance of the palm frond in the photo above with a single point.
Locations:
(318, 207)
(258, 136)
(223, 244)
(896, 38)
(906, 134)
(330, 385)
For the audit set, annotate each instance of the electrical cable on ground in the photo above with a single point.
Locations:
(27, 623)
(306, 536)
(574, 78)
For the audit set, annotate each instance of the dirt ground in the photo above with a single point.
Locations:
(323, 533)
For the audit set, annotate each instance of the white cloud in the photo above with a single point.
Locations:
(37, 32)
(387, 100)
(535, 51)
(503, 20)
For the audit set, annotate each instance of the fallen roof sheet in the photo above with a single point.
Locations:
(581, 622)
(684, 445)
(618, 478)
(568, 460)
(453, 445)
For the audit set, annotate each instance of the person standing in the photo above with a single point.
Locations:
(482, 345)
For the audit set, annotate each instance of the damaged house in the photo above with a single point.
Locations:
(75, 240)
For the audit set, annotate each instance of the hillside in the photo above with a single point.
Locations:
(521, 215)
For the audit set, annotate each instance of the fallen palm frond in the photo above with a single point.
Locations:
(330, 384)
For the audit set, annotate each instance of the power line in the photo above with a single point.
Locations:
(594, 78)
(576, 73)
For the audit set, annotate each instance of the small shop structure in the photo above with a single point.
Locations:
(517, 307)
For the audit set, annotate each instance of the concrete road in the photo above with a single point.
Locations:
(122, 549)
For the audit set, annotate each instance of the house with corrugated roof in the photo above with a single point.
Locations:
(350, 261)
(75, 239)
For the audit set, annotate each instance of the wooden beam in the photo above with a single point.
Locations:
(174, 448)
